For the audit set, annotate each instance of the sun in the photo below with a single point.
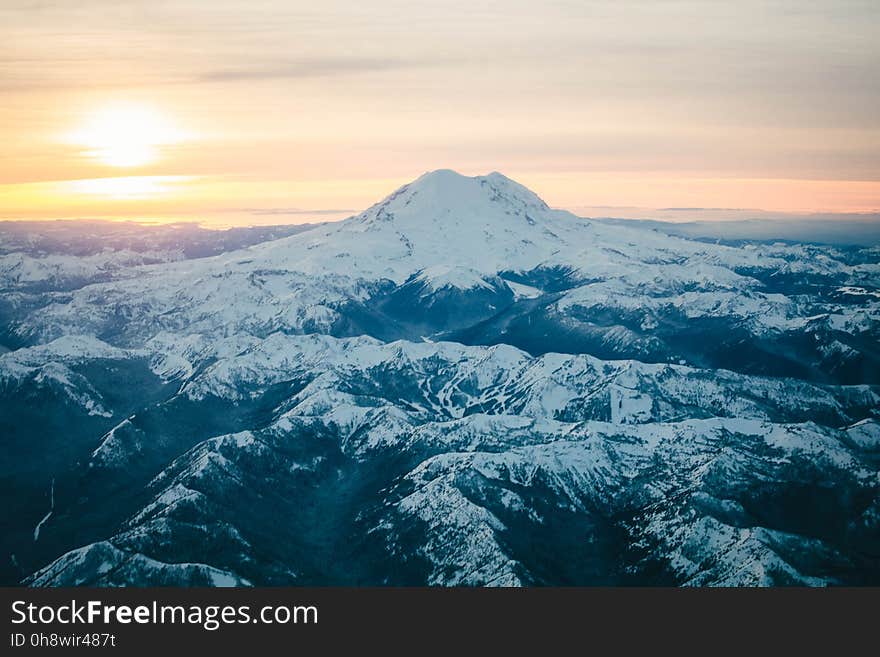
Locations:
(125, 135)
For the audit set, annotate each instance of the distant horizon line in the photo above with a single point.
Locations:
(206, 223)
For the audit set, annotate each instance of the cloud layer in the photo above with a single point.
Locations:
(310, 95)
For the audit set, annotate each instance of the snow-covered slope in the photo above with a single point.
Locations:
(449, 256)
(459, 385)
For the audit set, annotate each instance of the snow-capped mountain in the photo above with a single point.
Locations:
(484, 261)
(459, 385)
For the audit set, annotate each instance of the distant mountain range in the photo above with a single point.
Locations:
(833, 229)
(457, 386)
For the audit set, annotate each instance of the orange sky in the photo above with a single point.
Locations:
(265, 111)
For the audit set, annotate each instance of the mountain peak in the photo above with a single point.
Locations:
(450, 181)
(440, 175)
(481, 224)
(445, 195)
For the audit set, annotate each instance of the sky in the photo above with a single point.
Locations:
(269, 111)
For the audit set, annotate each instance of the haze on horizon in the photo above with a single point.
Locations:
(271, 111)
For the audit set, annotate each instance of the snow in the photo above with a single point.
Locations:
(657, 440)
(521, 291)
(67, 348)
(22, 271)
(439, 277)
(20, 368)
(451, 231)
(865, 434)
(629, 406)
(858, 291)
(98, 561)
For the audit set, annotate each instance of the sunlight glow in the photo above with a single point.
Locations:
(126, 188)
(126, 135)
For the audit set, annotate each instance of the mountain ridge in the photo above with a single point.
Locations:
(459, 385)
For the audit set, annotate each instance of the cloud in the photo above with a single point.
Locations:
(282, 211)
(842, 229)
(313, 68)
(708, 209)
(292, 70)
